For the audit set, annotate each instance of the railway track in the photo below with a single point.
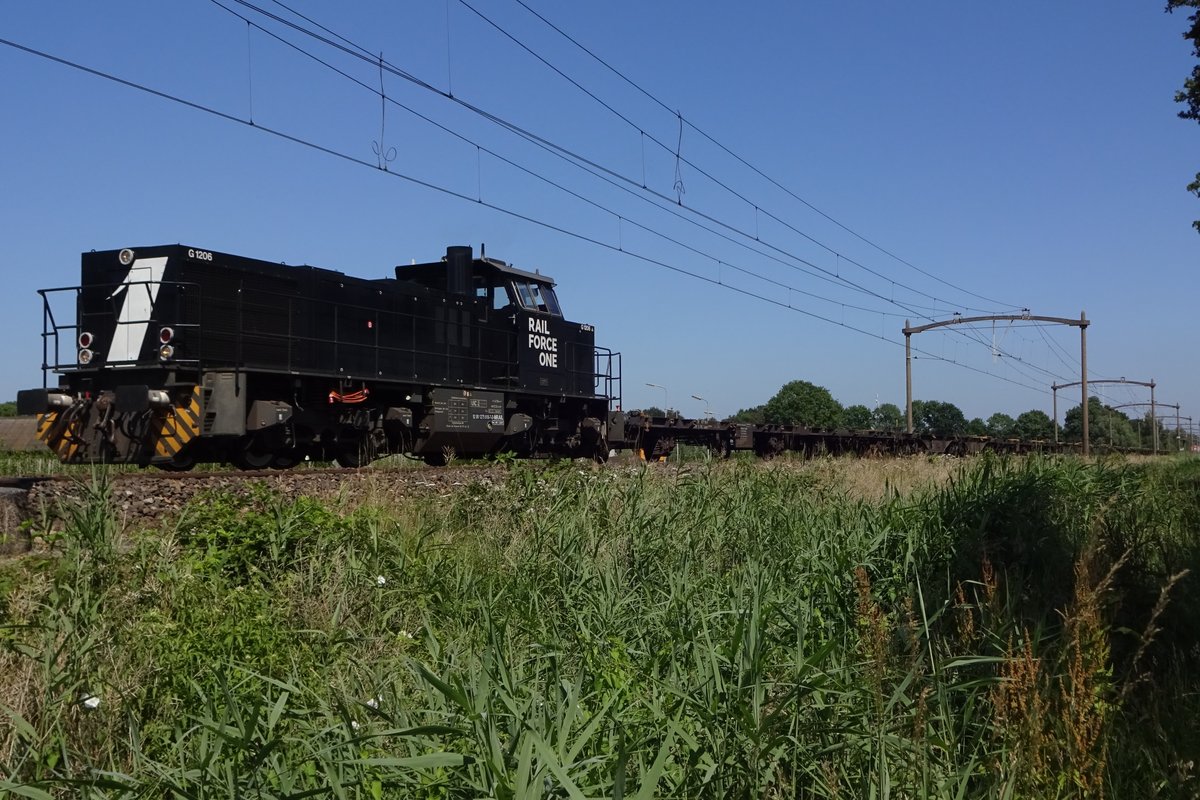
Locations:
(149, 498)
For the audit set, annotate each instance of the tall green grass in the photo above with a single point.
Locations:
(1025, 629)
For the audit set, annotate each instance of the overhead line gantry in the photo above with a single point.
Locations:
(1153, 416)
(1081, 323)
(1056, 386)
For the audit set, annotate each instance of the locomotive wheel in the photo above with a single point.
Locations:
(286, 460)
(352, 457)
(252, 455)
(182, 462)
(360, 452)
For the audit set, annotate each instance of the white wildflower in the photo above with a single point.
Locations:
(380, 580)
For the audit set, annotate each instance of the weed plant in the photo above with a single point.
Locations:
(1017, 628)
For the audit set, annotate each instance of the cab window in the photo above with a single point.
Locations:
(501, 298)
(538, 297)
(551, 301)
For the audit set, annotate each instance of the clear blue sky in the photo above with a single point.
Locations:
(1028, 153)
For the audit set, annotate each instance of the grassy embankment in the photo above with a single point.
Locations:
(1008, 629)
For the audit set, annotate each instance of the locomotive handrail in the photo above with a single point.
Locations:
(51, 328)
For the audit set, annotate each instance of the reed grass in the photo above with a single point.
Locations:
(984, 628)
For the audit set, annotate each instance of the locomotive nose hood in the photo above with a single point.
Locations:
(125, 314)
(129, 311)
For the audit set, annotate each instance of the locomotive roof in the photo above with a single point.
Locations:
(509, 269)
(403, 272)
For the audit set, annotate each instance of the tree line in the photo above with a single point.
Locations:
(803, 403)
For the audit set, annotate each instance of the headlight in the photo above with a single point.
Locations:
(125, 257)
(165, 352)
(85, 356)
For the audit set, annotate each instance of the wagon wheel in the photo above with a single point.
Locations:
(956, 449)
(771, 447)
(718, 447)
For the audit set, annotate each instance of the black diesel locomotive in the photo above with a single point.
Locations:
(172, 355)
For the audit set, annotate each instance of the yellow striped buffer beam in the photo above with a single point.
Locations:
(63, 431)
(91, 430)
(180, 424)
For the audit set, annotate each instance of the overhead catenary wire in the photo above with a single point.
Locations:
(675, 152)
(749, 165)
(351, 159)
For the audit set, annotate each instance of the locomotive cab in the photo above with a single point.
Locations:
(497, 286)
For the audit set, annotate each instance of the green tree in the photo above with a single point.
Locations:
(1106, 426)
(8, 409)
(1035, 424)
(1001, 425)
(804, 403)
(977, 427)
(858, 418)
(1145, 426)
(653, 411)
(1189, 95)
(754, 415)
(936, 418)
(889, 417)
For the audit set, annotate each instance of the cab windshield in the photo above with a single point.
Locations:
(537, 297)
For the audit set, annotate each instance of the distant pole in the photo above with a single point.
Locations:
(666, 398)
(1083, 323)
(1054, 386)
(908, 376)
(1153, 420)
